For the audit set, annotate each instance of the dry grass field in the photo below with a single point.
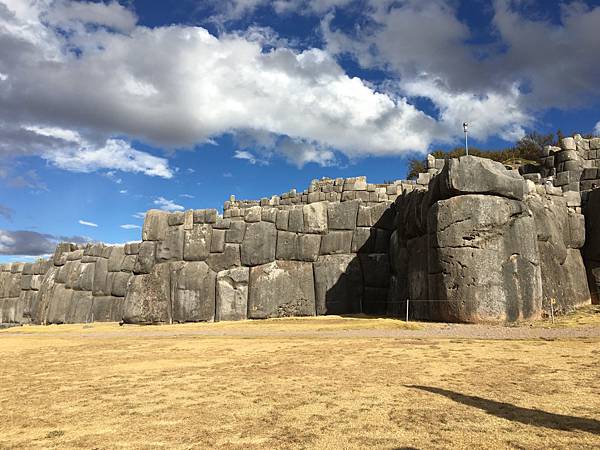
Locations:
(297, 383)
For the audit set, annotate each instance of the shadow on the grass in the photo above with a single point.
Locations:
(515, 413)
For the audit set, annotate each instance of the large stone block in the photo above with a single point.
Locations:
(576, 229)
(297, 247)
(80, 310)
(342, 216)
(148, 297)
(36, 282)
(232, 294)
(60, 303)
(336, 242)
(26, 282)
(146, 258)
(296, 220)
(363, 240)
(60, 253)
(315, 217)
(118, 283)
(483, 260)
(281, 289)
(193, 292)
(155, 227)
(235, 233)
(85, 279)
(197, 242)
(217, 244)
(107, 309)
(473, 175)
(230, 257)
(338, 284)
(171, 248)
(100, 286)
(117, 256)
(259, 244)
(29, 300)
(73, 272)
(283, 217)
(128, 263)
(8, 310)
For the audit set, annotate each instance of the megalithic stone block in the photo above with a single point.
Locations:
(197, 242)
(281, 289)
(338, 284)
(193, 292)
(148, 297)
(259, 244)
(155, 225)
(232, 294)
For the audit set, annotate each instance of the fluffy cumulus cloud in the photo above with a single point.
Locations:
(79, 98)
(32, 243)
(81, 81)
(597, 129)
(531, 64)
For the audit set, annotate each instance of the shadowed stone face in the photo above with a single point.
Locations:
(338, 284)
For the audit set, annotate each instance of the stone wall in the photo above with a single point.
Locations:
(297, 258)
(469, 241)
(78, 284)
(484, 244)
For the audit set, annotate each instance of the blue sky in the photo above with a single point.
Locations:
(112, 108)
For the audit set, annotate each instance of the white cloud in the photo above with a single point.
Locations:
(79, 155)
(179, 86)
(502, 84)
(123, 191)
(597, 129)
(139, 215)
(227, 175)
(186, 196)
(167, 205)
(244, 154)
(71, 14)
(129, 226)
(88, 224)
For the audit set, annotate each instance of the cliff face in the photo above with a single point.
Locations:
(470, 241)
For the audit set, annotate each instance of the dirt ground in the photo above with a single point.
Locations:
(325, 382)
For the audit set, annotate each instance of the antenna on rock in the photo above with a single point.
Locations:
(466, 129)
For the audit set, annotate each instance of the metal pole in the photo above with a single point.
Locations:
(466, 130)
(407, 303)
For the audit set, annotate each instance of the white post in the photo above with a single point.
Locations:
(407, 303)
(466, 129)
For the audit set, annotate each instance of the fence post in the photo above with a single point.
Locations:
(407, 303)
(552, 309)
